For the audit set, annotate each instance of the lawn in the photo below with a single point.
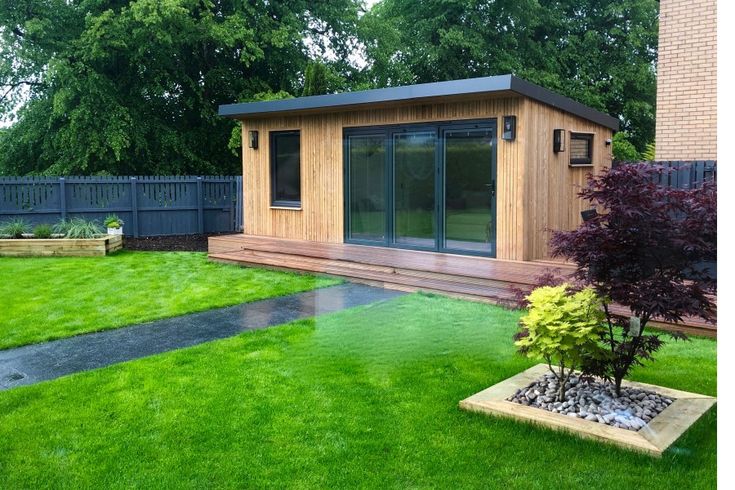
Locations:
(365, 397)
(49, 298)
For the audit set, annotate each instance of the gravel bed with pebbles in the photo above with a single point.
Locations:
(595, 401)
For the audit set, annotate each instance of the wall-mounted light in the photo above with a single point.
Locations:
(589, 214)
(559, 140)
(509, 128)
(253, 139)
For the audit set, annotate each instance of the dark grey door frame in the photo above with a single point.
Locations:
(439, 128)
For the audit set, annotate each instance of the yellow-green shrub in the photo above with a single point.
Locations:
(562, 328)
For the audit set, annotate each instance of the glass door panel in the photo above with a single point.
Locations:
(414, 182)
(366, 161)
(469, 191)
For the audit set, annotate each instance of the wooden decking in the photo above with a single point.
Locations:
(476, 278)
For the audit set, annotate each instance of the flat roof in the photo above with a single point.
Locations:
(469, 86)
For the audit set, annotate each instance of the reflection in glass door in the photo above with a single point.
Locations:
(428, 186)
(414, 183)
(469, 191)
(367, 202)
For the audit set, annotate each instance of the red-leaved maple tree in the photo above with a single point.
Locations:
(649, 247)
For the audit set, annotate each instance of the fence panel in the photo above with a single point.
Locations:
(149, 205)
(683, 174)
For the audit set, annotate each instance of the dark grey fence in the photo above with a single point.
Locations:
(149, 205)
(683, 174)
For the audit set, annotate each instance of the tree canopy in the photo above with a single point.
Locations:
(132, 87)
(127, 87)
(599, 52)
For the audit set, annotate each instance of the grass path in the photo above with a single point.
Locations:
(365, 397)
(49, 298)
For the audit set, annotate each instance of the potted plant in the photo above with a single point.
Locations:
(114, 224)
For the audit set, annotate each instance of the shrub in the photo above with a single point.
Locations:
(61, 227)
(14, 228)
(563, 328)
(644, 250)
(82, 228)
(622, 149)
(549, 277)
(113, 221)
(42, 231)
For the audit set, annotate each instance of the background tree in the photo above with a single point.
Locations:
(599, 52)
(127, 87)
(622, 149)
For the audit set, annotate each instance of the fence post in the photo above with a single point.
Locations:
(200, 206)
(231, 199)
(134, 204)
(240, 211)
(62, 197)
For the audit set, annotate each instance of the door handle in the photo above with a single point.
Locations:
(491, 188)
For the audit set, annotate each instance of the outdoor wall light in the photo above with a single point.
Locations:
(509, 128)
(253, 139)
(559, 139)
(588, 214)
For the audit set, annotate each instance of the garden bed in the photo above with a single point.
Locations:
(62, 247)
(678, 411)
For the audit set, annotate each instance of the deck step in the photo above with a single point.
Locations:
(388, 276)
(475, 278)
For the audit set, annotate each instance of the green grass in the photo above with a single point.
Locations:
(362, 398)
(49, 298)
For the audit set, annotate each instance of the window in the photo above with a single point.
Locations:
(580, 152)
(286, 168)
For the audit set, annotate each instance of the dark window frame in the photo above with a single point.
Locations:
(590, 138)
(388, 131)
(275, 202)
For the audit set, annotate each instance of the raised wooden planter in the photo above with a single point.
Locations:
(654, 438)
(61, 247)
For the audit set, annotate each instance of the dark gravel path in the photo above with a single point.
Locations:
(39, 362)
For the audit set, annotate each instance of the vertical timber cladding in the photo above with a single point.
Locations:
(551, 184)
(321, 217)
(526, 185)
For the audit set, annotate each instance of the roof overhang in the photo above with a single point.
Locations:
(417, 93)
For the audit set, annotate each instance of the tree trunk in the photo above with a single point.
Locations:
(618, 384)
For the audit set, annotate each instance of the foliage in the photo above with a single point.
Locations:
(601, 53)
(61, 227)
(82, 228)
(549, 277)
(14, 228)
(51, 299)
(649, 153)
(42, 231)
(363, 397)
(562, 328)
(623, 150)
(315, 79)
(644, 251)
(133, 87)
(113, 221)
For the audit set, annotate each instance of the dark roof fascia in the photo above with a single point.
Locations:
(566, 104)
(470, 86)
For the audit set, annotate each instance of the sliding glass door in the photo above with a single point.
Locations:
(414, 188)
(426, 187)
(366, 180)
(469, 190)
